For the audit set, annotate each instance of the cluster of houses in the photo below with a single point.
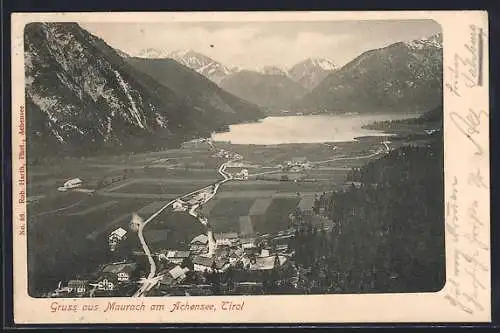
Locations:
(249, 253)
(105, 281)
(222, 153)
(296, 164)
(197, 143)
(217, 252)
(242, 175)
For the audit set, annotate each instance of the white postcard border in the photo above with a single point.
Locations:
(466, 296)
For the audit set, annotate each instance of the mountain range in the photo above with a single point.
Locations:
(402, 77)
(307, 73)
(84, 97)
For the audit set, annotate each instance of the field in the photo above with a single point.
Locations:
(67, 231)
(155, 188)
(172, 230)
(225, 215)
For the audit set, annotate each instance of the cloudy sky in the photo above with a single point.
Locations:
(254, 45)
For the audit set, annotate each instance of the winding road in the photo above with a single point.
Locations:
(151, 280)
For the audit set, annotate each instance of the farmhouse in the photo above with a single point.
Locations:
(226, 238)
(105, 284)
(267, 263)
(178, 273)
(299, 160)
(264, 253)
(78, 286)
(72, 183)
(177, 257)
(115, 237)
(281, 248)
(119, 233)
(195, 143)
(201, 239)
(202, 264)
(179, 206)
(282, 240)
(248, 242)
(251, 288)
(242, 175)
(198, 248)
(123, 271)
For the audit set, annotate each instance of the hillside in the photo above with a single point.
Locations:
(201, 92)
(83, 98)
(265, 90)
(400, 77)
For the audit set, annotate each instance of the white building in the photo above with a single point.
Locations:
(104, 285)
(178, 273)
(179, 206)
(226, 238)
(200, 239)
(115, 237)
(177, 257)
(78, 286)
(242, 175)
(73, 183)
(202, 264)
(264, 253)
(119, 233)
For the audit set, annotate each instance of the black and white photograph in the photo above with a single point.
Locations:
(178, 159)
(234, 158)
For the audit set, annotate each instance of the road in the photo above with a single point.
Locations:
(151, 280)
(352, 158)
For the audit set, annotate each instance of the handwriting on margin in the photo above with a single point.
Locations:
(469, 126)
(467, 65)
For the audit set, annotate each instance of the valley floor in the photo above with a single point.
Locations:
(68, 231)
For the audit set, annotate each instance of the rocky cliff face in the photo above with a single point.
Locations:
(83, 97)
(405, 76)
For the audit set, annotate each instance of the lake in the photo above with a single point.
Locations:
(305, 129)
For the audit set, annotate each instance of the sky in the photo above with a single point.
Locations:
(253, 45)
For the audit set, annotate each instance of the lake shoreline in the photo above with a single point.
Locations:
(319, 129)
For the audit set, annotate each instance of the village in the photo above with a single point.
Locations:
(240, 261)
(215, 261)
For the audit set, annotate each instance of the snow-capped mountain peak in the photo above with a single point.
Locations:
(203, 64)
(180, 53)
(312, 71)
(325, 64)
(434, 41)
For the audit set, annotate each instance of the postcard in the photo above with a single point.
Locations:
(251, 167)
